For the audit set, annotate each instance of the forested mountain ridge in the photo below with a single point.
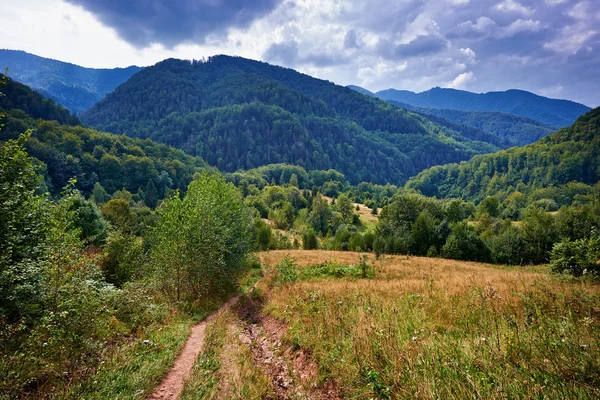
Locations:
(552, 112)
(240, 114)
(18, 96)
(568, 157)
(72, 86)
(101, 163)
(517, 130)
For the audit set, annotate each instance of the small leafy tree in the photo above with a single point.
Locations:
(201, 241)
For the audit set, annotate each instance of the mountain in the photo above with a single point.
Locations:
(72, 86)
(558, 165)
(67, 151)
(551, 112)
(18, 96)
(361, 90)
(518, 131)
(240, 114)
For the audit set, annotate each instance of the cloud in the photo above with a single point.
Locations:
(172, 22)
(482, 27)
(514, 7)
(421, 45)
(350, 40)
(520, 26)
(285, 53)
(461, 81)
(533, 45)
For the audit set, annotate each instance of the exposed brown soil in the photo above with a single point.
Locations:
(173, 382)
(293, 371)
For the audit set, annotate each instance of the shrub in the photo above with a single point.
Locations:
(286, 271)
(576, 257)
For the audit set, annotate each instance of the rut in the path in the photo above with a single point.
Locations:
(293, 372)
(172, 384)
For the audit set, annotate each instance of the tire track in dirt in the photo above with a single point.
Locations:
(172, 384)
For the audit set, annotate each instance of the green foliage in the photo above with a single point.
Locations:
(85, 217)
(309, 240)
(286, 271)
(119, 214)
(263, 114)
(464, 244)
(559, 167)
(22, 229)
(200, 241)
(123, 259)
(576, 257)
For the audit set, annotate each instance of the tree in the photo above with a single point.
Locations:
(201, 241)
(539, 234)
(309, 240)
(119, 214)
(464, 244)
(22, 230)
(99, 195)
(294, 180)
(344, 206)
(85, 217)
(151, 194)
(423, 234)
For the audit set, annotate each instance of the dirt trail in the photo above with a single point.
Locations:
(293, 372)
(173, 382)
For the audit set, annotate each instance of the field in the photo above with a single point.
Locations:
(414, 328)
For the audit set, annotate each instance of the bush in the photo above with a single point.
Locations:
(576, 257)
(309, 240)
(286, 271)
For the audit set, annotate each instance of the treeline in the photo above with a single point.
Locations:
(241, 114)
(560, 166)
(418, 225)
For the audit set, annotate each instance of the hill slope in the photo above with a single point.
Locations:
(518, 102)
(569, 155)
(68, 151)
(240, 114)
(518, 131)
(72, 86)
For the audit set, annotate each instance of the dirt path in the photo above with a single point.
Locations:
(172, 384)
(293, 372)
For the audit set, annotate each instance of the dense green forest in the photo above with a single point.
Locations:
(75, 88)
(516, 130)
(241, 114)
(517, 102)
(101, 163)
(554, 170)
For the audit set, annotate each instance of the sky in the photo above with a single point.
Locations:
(549, 47)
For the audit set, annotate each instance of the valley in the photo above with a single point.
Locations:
(231, 228)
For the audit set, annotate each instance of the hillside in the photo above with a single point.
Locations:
(240, 114)
(518, 131)
(74, 87)
(569, 155)
(66, 150)
(552, 112)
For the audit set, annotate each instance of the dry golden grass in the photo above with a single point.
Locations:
(435, 328)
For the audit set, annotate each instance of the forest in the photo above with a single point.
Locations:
(224, 106)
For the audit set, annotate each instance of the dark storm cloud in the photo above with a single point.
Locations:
(421, 45)
(171, 22)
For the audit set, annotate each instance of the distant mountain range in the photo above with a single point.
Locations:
(517, 130)
(237, 113)
(75, 88)
(552, 112)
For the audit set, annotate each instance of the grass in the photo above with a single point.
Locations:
(433, 328)
(133, 370)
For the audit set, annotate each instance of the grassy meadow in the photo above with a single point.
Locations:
(434, 328)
